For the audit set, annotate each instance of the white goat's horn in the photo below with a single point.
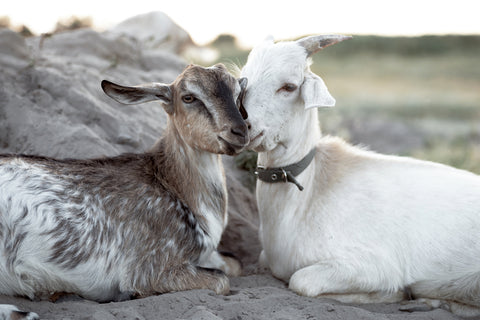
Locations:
(316, 43)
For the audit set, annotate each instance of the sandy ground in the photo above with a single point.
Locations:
(252, 297)
(51, 104)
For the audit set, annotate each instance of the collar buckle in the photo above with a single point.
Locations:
(278, 176)
(287, 173)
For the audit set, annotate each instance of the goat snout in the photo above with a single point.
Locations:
(240, 130)
(234, 138)
(236, 134)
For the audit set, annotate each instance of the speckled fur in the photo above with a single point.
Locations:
(111, 227)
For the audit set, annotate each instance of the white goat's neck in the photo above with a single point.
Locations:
(303, 134)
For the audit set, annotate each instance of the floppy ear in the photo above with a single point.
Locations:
(315, 93)
(140, 94)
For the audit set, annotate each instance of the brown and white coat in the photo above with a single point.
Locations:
(132, 224)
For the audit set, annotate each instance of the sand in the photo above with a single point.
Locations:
(51, 104)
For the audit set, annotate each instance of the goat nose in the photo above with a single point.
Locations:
(239, 131)
(249, 125)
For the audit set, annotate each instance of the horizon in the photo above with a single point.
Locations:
(204, 24)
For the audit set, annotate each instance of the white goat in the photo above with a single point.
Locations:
(367, 225)
(134, 224)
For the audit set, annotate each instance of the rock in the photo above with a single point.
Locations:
(154, 30)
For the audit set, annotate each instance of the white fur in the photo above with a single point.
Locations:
(8, 311)
(365, 223)
(35, 274)
(90, 279)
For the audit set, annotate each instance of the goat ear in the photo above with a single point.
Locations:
(243, 82)
(316, 43)
(315, 93)
(243, 88)
(140, 94)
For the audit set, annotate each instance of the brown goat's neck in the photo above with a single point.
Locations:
(196, 176)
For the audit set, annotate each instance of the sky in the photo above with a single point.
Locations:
(253, 20)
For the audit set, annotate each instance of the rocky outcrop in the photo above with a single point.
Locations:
(154, 30)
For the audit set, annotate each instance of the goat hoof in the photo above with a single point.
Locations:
(221, 284)
(233, 266)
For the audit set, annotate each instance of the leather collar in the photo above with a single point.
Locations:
(287, 173)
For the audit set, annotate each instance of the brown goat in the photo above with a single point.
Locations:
(132, 224)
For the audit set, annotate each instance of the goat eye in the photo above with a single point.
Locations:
(188, 98)
(289, 87)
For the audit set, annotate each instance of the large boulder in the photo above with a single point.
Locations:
(154, 30)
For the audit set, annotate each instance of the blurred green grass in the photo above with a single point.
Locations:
(411, 96)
